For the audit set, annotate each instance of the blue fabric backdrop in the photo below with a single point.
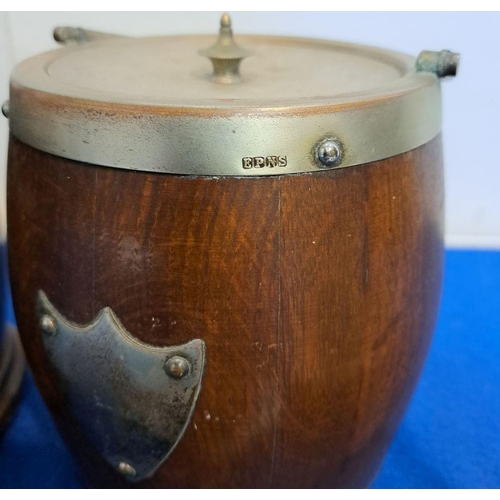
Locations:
(450, 436)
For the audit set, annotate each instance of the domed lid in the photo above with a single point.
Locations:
(182, 104)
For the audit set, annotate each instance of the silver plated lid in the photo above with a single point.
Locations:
(264, 106)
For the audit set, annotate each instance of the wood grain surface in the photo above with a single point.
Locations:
(316, 296)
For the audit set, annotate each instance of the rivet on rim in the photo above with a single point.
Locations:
(328, 153)
(6, 109)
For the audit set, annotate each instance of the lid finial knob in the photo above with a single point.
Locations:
(225, 54)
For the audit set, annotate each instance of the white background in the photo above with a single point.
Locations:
(471, 101)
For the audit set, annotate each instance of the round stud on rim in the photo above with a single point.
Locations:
(328, 153)
(6, 109)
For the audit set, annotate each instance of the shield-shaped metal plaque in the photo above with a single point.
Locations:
(132, 400)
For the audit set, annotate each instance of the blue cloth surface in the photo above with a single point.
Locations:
(449, 438)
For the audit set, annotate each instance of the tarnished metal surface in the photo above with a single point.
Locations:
(122, 391)
(67, 35)
(225, 55)
(175, 120)
(217, 145)
(443, 63)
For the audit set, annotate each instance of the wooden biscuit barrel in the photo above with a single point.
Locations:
(226, 279)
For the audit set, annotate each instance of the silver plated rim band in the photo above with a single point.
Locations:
(276, 138)
(252, 144)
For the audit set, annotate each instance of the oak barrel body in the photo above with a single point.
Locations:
(315, 294)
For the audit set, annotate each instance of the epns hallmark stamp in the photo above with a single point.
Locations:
(264, 161)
